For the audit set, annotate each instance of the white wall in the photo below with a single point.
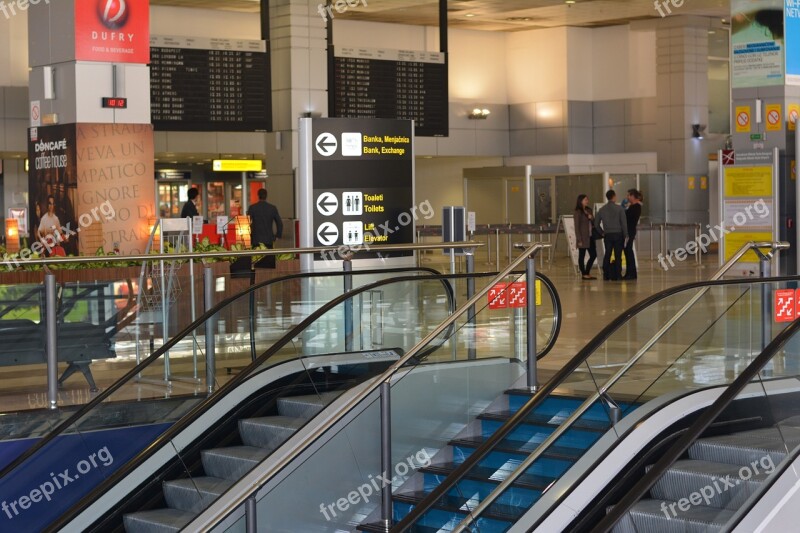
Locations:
(204, 22)
(441, 180)
(14, 50)
(536, 66)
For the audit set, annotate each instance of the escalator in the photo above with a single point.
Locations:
(251, 413)
(498, 456)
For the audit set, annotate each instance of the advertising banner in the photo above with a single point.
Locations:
(792, 20)
(757, 43)
(116, 31)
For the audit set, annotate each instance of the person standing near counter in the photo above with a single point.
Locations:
(612, 223)
(632, 216)
(585, 242)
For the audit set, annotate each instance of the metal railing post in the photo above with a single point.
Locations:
(497, 247)
(765, 271)
(251, 522)
(471, 351)
(51, 325)
(530, 279)
(211, 328)
(347, 266)
(386, 455)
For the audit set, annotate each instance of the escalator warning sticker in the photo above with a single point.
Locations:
(498, 297)
(785, 305)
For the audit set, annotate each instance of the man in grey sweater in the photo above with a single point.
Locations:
(611, 222)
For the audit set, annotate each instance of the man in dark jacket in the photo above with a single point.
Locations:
(262, 215)
(190, 207)
(632, 215)
(611, 221)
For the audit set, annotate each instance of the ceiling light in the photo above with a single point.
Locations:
(569, 1)
(469, 15)
(479, 114)
(697, 131)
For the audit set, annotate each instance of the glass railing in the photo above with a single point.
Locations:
(712, 475)
(685, 339)
(378, 316)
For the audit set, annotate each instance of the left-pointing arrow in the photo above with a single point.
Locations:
(327, 204)
(327, 234)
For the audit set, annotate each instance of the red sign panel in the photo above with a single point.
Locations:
(498, 296)
(518, 294)
(116, 31)
(785, 305)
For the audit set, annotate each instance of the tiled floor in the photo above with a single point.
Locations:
(588, 307)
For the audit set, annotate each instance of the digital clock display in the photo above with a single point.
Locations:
(115, 103)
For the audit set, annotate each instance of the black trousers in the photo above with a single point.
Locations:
(630, 259)
(614, 242)
(586, 268)
(267, 261)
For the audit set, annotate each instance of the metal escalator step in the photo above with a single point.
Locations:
(657, 516)
(721, 485)
(232, 462)
(738, 449)
(460, 506)
(194, 494)
(268, 432)
(158, 521)
(493, 475)
(547, 420)
(305, 406)
(523, 448)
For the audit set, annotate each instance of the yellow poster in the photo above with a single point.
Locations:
(538, 292)
(794, 113)
(748, 181)
(735, 240)
(743, 119)
(703, 182)
(691, 183)
(774, 117)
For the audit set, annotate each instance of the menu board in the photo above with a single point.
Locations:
(397, 84)
(205, 84)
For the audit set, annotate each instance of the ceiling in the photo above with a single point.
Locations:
(494, 15)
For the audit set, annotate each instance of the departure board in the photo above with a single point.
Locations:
(398, 84)
(204, 84)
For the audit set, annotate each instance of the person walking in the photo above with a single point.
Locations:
(262, 216)
(612, 223)
(632, 215)
(584, 222)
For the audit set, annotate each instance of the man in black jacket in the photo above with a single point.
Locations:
(262, 215)
(632, 215)
(190, 207)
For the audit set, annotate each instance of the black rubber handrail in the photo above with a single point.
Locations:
(544, 392)
(696, 429)
(212, 400)
(170, 344)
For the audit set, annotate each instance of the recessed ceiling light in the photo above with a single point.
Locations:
(469, 15)
(569, 1)
(519, 19)
(711, 32)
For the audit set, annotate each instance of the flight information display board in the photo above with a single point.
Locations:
(397, 84)
(204, 84)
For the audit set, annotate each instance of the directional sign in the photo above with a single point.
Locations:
(327, 234)
(497, 296)
(785, 305)
(518, 294)
(327, 204)
(326, 144)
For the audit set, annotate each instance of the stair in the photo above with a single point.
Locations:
(484, 478)
(187, 497)
(701, 492)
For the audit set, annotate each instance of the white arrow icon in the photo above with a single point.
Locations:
(326, 144)
(327, 203)
(327, 234)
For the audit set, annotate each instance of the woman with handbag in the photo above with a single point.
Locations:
(585, 236)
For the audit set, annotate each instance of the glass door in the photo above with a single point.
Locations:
(171, 197)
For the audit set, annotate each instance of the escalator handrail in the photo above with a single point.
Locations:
(544, 391)
(694, 431)
(170, 344)
(210, 401)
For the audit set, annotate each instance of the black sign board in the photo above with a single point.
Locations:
(362, 184)
(408, 85)
(201, 84)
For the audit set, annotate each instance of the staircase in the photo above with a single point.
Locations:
(187, 497)
(725, 471)
(500, 463)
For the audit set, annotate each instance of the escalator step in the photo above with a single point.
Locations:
(459, 505)
(307, 405)
(535, 434)
(268, 432)
(522, 448)
(440, 520)
(552, 421)
(194, 494)
(720, 484)
(158, 521)
(493, 475)
(738, 449)
(232, 462)
(659, 516)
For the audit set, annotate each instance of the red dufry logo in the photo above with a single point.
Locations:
(113, 13)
